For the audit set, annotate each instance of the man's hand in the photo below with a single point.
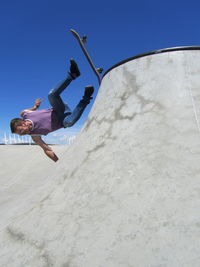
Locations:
(51, 155)
(37, 102)
(47, 150)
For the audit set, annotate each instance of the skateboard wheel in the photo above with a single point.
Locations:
(84, 39)
(100, 70)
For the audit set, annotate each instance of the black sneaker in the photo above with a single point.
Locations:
(74, 70)
(89, 90)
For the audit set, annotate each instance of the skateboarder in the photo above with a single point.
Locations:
(41, 122)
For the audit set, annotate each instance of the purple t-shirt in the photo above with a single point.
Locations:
(44, 121)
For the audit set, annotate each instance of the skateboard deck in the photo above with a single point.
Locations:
(82, 42)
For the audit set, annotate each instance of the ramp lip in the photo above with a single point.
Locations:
(159, 51)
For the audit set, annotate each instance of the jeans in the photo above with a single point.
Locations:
(62, 110)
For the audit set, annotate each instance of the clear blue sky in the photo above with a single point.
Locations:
(36, 44)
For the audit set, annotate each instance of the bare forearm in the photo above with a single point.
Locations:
(33, 108)
(47, 150)
(36, 104)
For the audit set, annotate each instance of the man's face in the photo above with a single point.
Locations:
(23, 129)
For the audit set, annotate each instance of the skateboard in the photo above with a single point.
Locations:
(82, 42)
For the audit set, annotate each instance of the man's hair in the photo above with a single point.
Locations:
(14, 123)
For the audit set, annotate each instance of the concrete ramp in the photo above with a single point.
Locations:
(127, 192)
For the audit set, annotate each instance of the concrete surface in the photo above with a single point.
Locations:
(127, 192)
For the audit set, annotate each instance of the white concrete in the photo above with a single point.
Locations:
(127, 192)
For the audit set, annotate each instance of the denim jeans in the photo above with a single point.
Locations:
(63, 112)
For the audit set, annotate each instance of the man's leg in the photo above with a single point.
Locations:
(55, 100)
(71, 119)
(54, 95)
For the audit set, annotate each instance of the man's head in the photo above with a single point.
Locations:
(20, 126)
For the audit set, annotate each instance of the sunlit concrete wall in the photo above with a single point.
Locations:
(127, 192)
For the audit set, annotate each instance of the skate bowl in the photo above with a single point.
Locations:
(127, 192)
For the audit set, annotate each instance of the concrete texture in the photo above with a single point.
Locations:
(127, 192)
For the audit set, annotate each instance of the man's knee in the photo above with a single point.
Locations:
(51, 93)
(68, 123)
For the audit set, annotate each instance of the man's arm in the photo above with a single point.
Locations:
(36, 106)
(47, 150)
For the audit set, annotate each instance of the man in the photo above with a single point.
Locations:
(41, 122)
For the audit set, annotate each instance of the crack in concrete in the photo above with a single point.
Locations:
(18, 236)
(117, 116)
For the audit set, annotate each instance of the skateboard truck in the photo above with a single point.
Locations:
(82, 41)
(100, 70)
